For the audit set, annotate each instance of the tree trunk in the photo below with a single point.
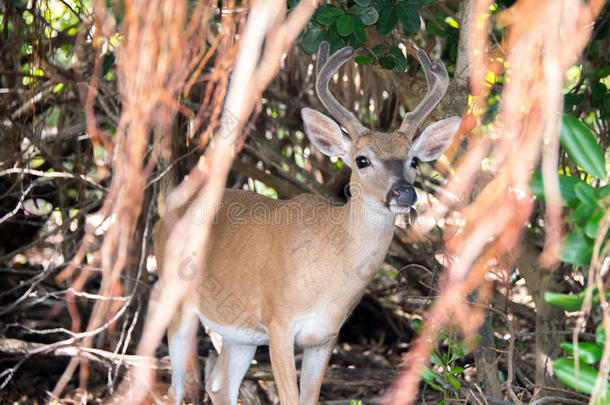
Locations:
(549, 319)
(485, 359)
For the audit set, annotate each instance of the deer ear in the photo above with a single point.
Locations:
(435, 139)
(326, 135)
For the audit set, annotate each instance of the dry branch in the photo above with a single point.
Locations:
(248, 80)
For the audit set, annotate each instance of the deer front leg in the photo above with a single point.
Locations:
(228, 372)
(315, 360)
(281, 349)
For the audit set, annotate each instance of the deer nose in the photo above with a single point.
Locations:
(403, 193)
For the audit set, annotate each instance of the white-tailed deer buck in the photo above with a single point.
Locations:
(286, 273)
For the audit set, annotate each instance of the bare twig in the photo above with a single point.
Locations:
(19, 205)
(249, 78)
(53, 175)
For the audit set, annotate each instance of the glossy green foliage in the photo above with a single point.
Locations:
(587, 353)
(567, 185)
(588, 203)
(582, 147)
(344, 24)
(406, 10)
(584, 381)
(571, 302)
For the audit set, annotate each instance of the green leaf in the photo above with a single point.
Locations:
(107, 63)
(592, 225)
(429, 376)
(335, 41)
(401, 61)
(415, 5)
(585, 381)
(436, 360)
(387, 20)
(588, 352)
(568, 302)
(407, 12)
(368, 15)
(573, 302)
(603, 72)
(364, 59)
(345, 25)
(491, 112)
(417, 325)
(379, 48)
(586, 194)
(570, 100)
(435, 387)
(582, 212)
(600, 334)
(457, 370)
(582, 147)
(453, 381)
(327, 15)
(354, 42)
(567, 184)
(577, 248)
(437, 26)
(387, 62)
(362, 3)
(536, 186)
(36, 162)
(312, 39)
(597, 94)
(457, 347)
(359, 32)
(454, 357)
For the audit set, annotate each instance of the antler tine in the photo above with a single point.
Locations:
(438, 81)
(325, 68)
(322, 57)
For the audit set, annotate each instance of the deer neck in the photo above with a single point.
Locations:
(369, 225)
(369, 216)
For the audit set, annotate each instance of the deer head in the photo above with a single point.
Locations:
(383, 164)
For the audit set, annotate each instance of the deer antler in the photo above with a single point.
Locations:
(325, 68)
(438, 81)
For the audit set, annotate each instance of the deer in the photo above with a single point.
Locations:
(287, 273)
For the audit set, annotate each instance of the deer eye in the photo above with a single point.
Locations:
(362, 161)
(414, 162)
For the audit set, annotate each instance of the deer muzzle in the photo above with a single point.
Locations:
(402, 195)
